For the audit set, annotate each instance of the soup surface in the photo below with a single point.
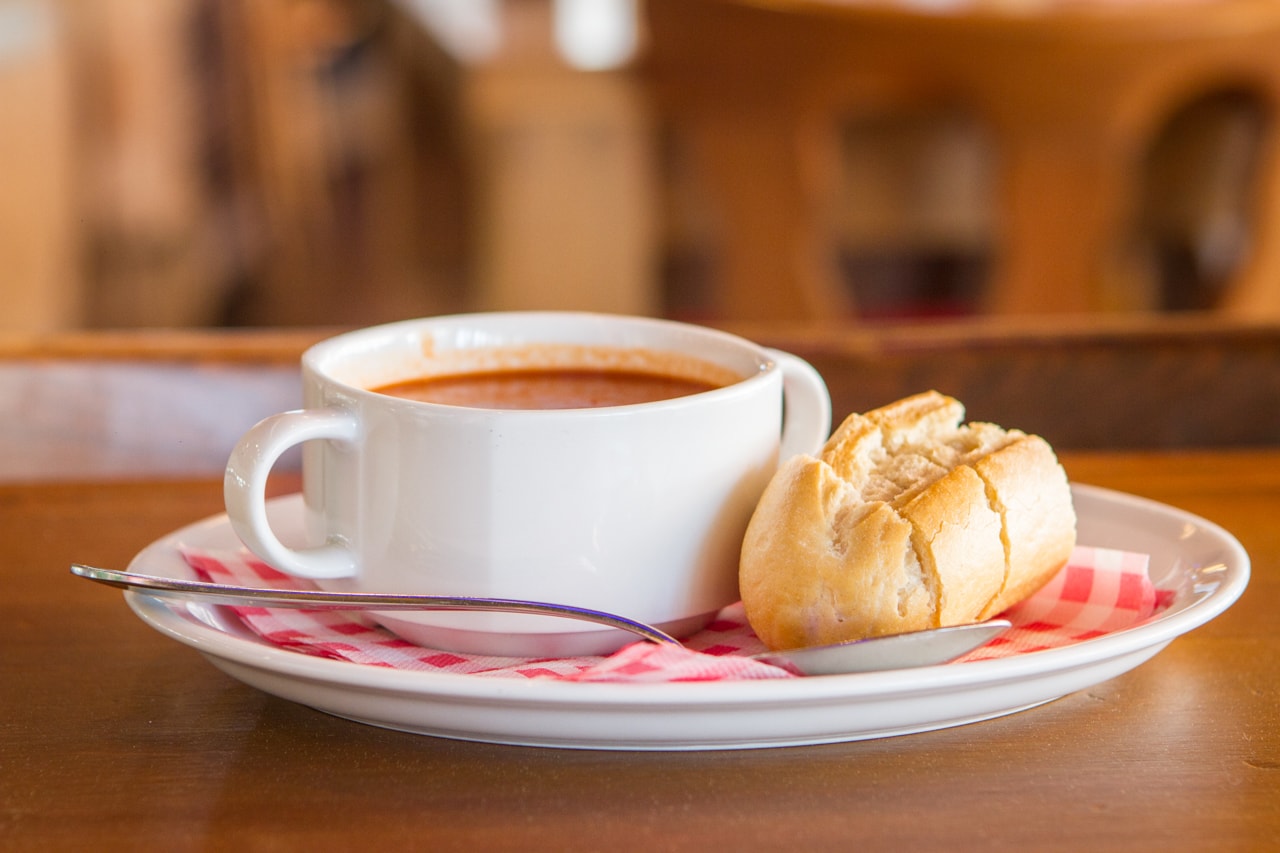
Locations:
(551, 388)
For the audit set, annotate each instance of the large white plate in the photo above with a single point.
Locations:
(1204, 565)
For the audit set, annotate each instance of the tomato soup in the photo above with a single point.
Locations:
(547, 388)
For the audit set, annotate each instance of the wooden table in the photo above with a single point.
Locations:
(113, 737)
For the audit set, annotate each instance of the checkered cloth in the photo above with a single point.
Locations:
(1098, 592)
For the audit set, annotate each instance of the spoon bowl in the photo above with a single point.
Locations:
(897, 651)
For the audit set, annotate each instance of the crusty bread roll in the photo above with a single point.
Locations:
(909, 520)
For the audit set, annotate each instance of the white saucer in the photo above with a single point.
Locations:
(1202, 563)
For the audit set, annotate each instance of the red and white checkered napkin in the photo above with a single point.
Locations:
(1099, 591)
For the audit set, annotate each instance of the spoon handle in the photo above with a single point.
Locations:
(216, 593)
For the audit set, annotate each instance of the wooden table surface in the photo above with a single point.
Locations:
(114, 737)
(113, 734)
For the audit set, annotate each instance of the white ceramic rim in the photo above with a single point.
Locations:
(315, 360)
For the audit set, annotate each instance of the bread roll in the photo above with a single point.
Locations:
(909, 520)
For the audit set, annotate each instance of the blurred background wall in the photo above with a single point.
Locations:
(288, 162)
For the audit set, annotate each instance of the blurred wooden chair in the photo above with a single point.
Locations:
(340, 132)
(1072, 93)
(203, 162)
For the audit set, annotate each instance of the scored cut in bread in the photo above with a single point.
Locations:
(910, 519)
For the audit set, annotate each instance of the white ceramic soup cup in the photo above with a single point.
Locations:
(637, 509)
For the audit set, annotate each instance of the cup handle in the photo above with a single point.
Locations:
(245, 484)
(806, 419)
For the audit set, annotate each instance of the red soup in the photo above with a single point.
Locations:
(549, 388)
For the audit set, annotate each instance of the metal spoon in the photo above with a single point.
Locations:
(897, 651)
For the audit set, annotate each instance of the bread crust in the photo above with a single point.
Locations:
(909, 519)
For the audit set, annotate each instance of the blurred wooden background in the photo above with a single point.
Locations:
(305, 162)
(172, 403)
